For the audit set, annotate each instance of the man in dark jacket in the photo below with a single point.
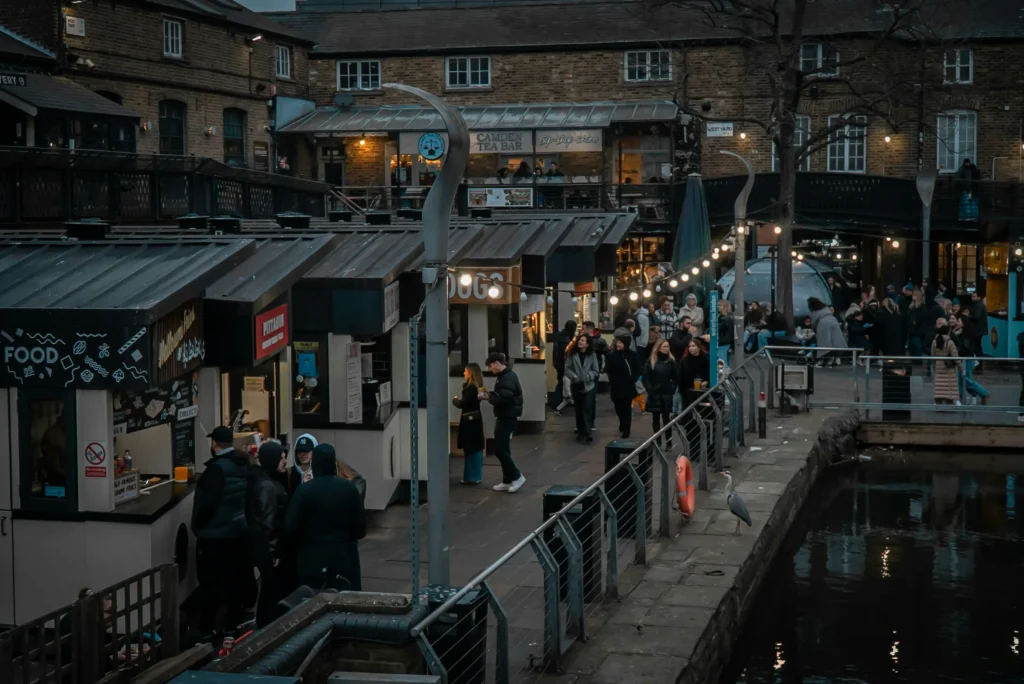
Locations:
(979, 324)
(325, 521)
(624, 368)
(222, 541)
(565, 337)
(507, 400)
(680, 339)
(265, 509)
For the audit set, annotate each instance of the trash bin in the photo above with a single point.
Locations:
(459, 637)
(896, 389)
(620, 488)
(585, 519)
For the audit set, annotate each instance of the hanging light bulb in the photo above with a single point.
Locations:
(958, 245)
(793, 253)
(685, 277)
(896, 244)
(575, 300)
(800, 257)
(888, 239)
(739, 230)
(673, 283)
(694, 270)
(657, 288)
(714, 255)
(854, 257)
(523, 296)
(493, 292)
(647, 294)
(466, 279)
(551, 300)
(633, 296)
(705, 263)
(778, 230)
(1018, 252)
(613, 300)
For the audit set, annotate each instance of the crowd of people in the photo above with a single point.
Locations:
(295, 526)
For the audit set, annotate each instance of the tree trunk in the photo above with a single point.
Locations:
(787, 195)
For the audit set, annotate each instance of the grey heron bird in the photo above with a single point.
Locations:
(735, 503)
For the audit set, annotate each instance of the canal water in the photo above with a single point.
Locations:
(894, 576)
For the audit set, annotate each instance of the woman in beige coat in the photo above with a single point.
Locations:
(947, 390)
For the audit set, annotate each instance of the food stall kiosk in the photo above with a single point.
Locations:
(247, 378)
(101, 342)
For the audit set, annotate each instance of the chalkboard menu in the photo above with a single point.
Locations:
(173, 403)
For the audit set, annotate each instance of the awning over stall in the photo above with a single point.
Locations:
(250, 306)
(32, 92)
(397, 118)
(106, 315)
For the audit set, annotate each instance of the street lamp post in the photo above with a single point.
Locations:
(926, 189)
(437, 210)
(740, 216)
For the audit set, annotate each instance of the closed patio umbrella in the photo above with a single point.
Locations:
(693, 236)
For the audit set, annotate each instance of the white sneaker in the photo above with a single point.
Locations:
(517, 485)
(501, 487)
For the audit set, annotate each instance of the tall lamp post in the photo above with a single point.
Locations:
(437, 210)
(926, 189)
(740, 218)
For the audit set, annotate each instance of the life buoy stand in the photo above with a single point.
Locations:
(684, 486)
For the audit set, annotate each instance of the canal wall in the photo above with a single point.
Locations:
(680, 615)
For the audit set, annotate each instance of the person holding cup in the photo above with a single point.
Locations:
(694, 368)
(471, 425)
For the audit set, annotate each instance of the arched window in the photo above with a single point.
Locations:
(172, 127)
(234, 137)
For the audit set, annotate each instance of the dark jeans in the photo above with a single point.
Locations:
(503, 430)
(223, 567)
(270, 594)
(586, 407)
(624, 410)
(662, 417)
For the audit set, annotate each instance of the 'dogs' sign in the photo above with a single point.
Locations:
(476, 292)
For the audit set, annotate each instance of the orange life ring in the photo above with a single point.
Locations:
(684, 486)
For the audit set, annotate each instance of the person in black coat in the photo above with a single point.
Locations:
(325, 521)
(889, 334)
(694, 368)
(562, 341)
(660, 384)
(507, 400)
(265, 511)
(471, 425)
(680, 338)
(624, 368)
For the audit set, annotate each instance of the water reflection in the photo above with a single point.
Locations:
(901, 576)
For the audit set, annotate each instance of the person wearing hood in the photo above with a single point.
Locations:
(222, 533)
(826, 328)
(624, 369)
(265, 511)
(303, 469)
(642, 332)
(325, 522)
(693, 310)
(582, 370)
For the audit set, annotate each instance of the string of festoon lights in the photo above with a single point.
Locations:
(674, 281)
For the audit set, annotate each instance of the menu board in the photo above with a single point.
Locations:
(183, 436)
(174, 403)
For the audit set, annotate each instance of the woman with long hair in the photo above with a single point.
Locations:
(660, 382)
(582, 369)
(947, 388)
(471, 425)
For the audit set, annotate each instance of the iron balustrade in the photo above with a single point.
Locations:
(52, 186)
(546, 592)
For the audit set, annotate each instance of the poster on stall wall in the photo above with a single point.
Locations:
(174, 403)
(354, 384)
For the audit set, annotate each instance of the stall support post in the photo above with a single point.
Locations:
(740, 215)
(713, 347)
(436, 215)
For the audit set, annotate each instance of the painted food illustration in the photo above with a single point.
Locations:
(154, 408)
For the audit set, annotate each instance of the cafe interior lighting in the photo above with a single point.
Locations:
(465, 279)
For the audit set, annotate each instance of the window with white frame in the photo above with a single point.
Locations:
(468, 72)
(957, 132)
(363, 75)
(847, 145)
(172, 38)
(283, 62)
(819, 59)
(648, 65)
(958, 66)
(801, 134)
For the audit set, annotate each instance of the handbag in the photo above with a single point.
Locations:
(471, 415)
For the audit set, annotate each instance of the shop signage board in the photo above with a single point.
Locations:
(8, 79)
(391, 306)
(260, 156)
(73, 358)
(179, 345)
(719, 129)
(409, 143)
(271, 332)
(126, 487)
(553, 142)
(354, 384)
(498, 196)
(482, 280)
(500, 142)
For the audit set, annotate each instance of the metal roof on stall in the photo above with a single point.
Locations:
(132, 283)
(397, 118)
(460, 240)
(373, 257)
(503, 243)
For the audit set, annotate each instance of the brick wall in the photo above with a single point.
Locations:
(731, 82)
(217, 71)
(33, 19)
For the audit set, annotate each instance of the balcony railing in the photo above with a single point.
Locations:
(42, 185)
(654, 202)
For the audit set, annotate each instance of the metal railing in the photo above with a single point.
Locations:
(515, 620)
(116, 632)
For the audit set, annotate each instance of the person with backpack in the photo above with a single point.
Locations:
(507, 400)
(265, 512)
(325, 521)
(222, 533)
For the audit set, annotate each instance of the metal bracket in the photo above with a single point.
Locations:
(574, 549)
(552, 623)
(641, 514)
(666, 492)
(502, 674)
(612, 590)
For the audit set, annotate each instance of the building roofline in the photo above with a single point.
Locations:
(26, 42)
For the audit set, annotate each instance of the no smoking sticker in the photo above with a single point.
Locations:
(95, 453)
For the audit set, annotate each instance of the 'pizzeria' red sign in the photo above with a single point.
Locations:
(271, 332)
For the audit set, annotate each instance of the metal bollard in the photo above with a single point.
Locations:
(762, 417)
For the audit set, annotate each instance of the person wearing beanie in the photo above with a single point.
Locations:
(624, 369)
(325, 522)
(266, 504)
(302, 471)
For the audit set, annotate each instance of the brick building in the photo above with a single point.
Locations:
(587, 53)
(200, 77)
